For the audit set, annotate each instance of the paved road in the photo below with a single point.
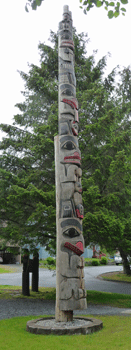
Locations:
(24, 307)
(92, 282)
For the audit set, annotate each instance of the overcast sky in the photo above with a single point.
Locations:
(22, 31)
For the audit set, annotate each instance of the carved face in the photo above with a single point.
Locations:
(68, 127)
(66, 54)
(64, 128)
(71, 223)
(78, 187)
(67, 90)
(67, 78)
(65, 35)
(70, 152)
(66, 24)
(74, 158)
(75, 128)
(68, 143)
(71, 232)
(66, 209)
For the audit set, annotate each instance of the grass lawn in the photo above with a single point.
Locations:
(5, 270)
(115, 334)
(116, 276)
(13, 292)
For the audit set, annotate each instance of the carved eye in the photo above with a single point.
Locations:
(68, 145)
(71, 232)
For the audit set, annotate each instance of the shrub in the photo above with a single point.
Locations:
(95, 262)
(103, 260)
(50, 261)
(88, 263)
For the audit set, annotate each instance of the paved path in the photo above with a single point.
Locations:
(24, 307)
(47, 278)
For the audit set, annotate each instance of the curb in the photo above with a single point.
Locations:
(48, 325)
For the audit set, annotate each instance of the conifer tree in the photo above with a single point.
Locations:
(27, 169)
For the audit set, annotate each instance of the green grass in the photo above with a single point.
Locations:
(116, 276)
(115, 334)
(13, 292)
(110, 299)
(4, 270)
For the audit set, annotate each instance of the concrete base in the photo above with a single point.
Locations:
(79, 325)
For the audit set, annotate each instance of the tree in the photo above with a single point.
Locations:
(27, 170)
(33, 4)
(107, 159)
(87, 5)
(27, 165)
(113, 8)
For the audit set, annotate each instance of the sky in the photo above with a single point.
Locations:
(21, 33)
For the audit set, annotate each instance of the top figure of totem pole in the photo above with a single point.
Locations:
(70, 289)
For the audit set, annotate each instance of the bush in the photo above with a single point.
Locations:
(103, 260)
(88, 263)
(50, 261)
(95, 262)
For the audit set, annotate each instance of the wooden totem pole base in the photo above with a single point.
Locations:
(63, 316)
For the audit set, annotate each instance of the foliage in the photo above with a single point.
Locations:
(49, 263)
(103, 260)
(27, 171)
(106, 149)
(33, 4)
(113, 9)
(95, 262)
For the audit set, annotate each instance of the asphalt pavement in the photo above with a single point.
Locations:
(47, 278)
(24, 307)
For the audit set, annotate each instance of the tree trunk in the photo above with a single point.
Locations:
(25, 275)
(35, 273)
(126, 264)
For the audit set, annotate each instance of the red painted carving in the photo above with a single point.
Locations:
(73, 103)
(78, 214)
(78, 249)
(80, 245)
(68, 43)
(75, 158)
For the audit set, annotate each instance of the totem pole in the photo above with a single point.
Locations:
(70, 289)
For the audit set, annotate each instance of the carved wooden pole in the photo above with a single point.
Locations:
(70, 289)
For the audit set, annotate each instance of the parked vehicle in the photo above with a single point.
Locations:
(117, 258)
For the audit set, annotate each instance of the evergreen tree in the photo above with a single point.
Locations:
(106, 148)
(27, 169)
